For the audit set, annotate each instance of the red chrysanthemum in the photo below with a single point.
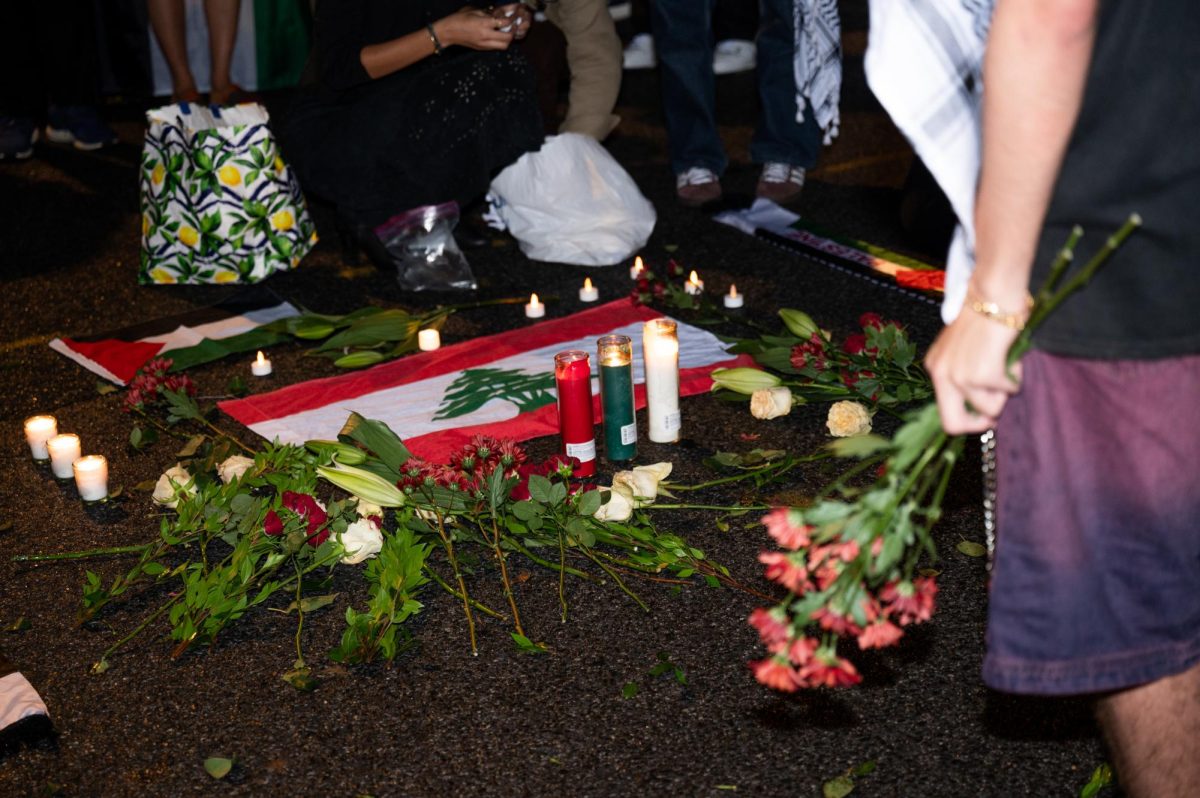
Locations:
(775, 672)
(782, 525)
(784, 570)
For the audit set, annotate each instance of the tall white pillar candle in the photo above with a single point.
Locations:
(91, 477)
(38, 430)
(660, 351)
(64, 451)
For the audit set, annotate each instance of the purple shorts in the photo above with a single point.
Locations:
(1096, 578)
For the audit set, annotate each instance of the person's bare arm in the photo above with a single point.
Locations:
(468, 27)
(1035, 69)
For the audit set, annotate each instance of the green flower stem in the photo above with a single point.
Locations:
(516, 546)
(82, 555)
(773, 470)
(615, 577)
(508, 591)
(102, 665)
(1063, 260)
(462, 585)
(300, 664)
(724, 508)
(562, 573)
(486, 610)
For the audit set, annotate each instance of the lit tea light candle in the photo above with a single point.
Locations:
(261, 366)
(694, 285)
(573, 382)
(38, 430)
(615, 353)
(660, 350)
(535, 309)
(429, 340)
(64, 451)
(635, 271)
(589, 292)
(733, 299)
(91, 477)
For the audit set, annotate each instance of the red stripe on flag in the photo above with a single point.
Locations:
(424, 365)
(122, 359)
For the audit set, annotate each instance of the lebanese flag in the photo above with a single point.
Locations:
(118, 355)
(500, 385)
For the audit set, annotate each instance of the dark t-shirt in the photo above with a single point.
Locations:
(1135, 148)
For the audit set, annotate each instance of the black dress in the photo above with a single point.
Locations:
(435, 131)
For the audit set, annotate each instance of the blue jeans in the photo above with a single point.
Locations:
(684, 40)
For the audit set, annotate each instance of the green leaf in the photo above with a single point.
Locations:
(837, 788)
(153, 568)
(21, 624)
(526, 510)
(378, 438)
(300, 678)
(104, 388)
(629, 690)
(589, 503)
(971, 548)
(865, 769)
(1102, 777)
(237, 386)
(859, 446)
(541, 489)
(218, 767)
(141, 437)
(311, 603)
(384, 326)
(527, 646)
(192, 446)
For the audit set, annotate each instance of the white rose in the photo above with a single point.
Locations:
(366, 509)
(848, 418)
(768, 403)
(234, 467)
(362, 540)
(617, 508)
(640, 486)
(174, 480)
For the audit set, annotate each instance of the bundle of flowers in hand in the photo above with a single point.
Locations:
(850, 559)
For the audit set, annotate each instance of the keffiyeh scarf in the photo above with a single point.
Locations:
(818, 63)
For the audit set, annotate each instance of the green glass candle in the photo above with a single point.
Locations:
(615, 353)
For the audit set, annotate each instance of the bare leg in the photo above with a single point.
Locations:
(222, 16)
(167, 19)
(1154, 733)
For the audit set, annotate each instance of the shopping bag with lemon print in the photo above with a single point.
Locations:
(219, 205)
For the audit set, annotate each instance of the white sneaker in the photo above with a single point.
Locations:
(697, 186)
(620, 10)
(733, 55)
(639, 53)
(780, 182)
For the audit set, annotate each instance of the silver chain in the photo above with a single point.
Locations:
(987, 445)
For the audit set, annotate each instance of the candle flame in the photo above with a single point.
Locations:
(693, 278)
(638, 266)
(261, 359)
(533, 300)
(732, 290)
(587, 283)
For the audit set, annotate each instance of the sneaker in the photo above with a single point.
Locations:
(17, 137)
(780, 183)
(79, 125)
(697, 186)
(733, 55)
(620, 9)
(639, 53)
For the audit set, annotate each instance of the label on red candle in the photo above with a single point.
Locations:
(584, 451)
(629, 434)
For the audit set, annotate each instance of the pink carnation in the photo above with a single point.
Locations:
(834, 622)
(776, 673)
(910, 602)
(828, 670)
(780, 526)
(802, 649)
(880, 635)
(783, 570)
(771, 625)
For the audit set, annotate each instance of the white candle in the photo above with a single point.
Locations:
(535, 309)
(38, 430)
(694, 284)
(64, 451)
(733, 299)
(635, 271)
(91, 477)
(660, 350)
(429, 340)
(261, 366)
(589, 292)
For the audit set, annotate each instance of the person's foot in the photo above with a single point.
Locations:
(79, 125)
(697, 186)
(780, 182)
(733, 55)
(639, 53)
(17, 137)
(232, 94)
(188, 94)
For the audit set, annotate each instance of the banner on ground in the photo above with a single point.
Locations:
(117, 355)
(500, 385)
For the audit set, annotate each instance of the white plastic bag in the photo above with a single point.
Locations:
(571, 202)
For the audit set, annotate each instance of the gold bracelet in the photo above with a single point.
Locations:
(437, 45)
(991, 310)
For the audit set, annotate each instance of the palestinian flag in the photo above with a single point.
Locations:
(500, 385)
(269, 53)
(116, 356)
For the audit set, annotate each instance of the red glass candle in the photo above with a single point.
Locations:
(573, 378)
